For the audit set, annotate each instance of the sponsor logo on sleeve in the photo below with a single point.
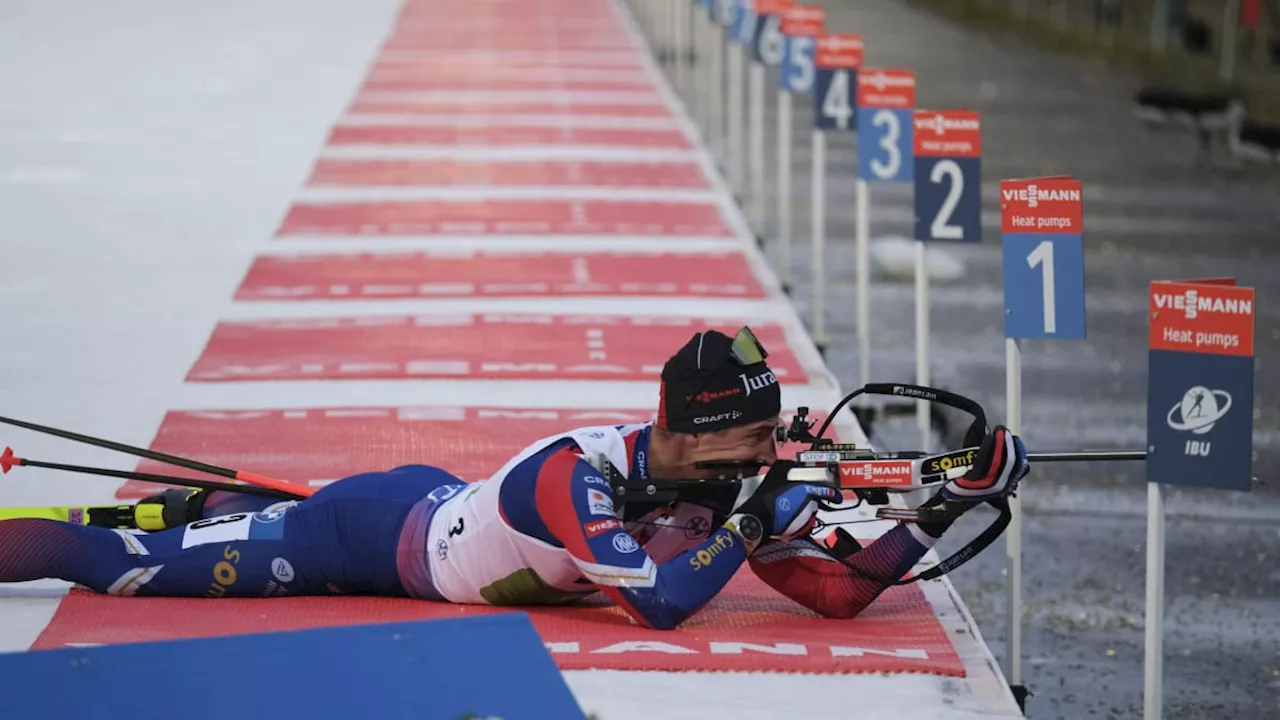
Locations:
(599, 527)
(599, 503)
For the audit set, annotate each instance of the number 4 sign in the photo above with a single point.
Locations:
(834, 92)
(1041, 220)
(948, 175)
(886, 99)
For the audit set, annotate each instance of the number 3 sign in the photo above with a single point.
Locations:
(948, 175)
(886, 99)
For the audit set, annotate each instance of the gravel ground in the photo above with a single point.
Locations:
(1153, 211)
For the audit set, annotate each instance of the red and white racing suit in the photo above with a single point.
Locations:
(544, 530)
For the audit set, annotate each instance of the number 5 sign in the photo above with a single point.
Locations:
(886, 99)
(1042, 223)
(948, 175)
(800, 25)
(835, 89)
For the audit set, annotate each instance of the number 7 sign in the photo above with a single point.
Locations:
(1042, 223)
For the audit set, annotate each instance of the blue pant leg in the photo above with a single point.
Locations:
(239, 555)
(408, 483)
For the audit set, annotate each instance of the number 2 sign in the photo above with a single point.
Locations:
(886, 99)
(948, 175)
(835, 88)
(1041, 220)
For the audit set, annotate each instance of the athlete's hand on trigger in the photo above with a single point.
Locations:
(1000, 464)
(787, 509)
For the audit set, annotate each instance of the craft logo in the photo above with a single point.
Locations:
(599, 527)
(759, 382)
(703, 557)
(1192, 303)
(1033, 195)
(595, 480)
(704, 419)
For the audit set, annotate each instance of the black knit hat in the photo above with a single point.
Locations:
(716, 382)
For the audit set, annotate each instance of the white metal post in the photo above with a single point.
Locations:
(756, 103)
(737, 118)
(862, 240)
(818, 228)
(715, 89)
(1013, 535)
(679, 28)
(1153, 654)
(922, 338)
(784, 187)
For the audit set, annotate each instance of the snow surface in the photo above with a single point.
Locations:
(147, 150)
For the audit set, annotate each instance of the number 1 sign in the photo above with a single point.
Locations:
(1041, 220)
(948, 175)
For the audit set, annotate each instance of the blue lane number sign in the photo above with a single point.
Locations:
(1041, 222)
(837, 58)
(801, 26)
(948, 175)
(886, 100)
(768, 45)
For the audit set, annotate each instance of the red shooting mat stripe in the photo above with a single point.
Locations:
(897, 633)
(337, 172)
(415, 274)
(314, 446)
(507, 217)
(464, 83)
(550, 106)
(488, 136)
(483, 346)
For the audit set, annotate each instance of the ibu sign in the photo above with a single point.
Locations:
(886, 101)
(1200, 384)
(769, 43)
(801, 25)
(837, 58)
(1041, 221)
(948, 175)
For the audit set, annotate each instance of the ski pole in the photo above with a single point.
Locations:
(8, 460)
(247, 477)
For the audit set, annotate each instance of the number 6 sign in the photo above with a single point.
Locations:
(948, 175)
(1041, 220)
